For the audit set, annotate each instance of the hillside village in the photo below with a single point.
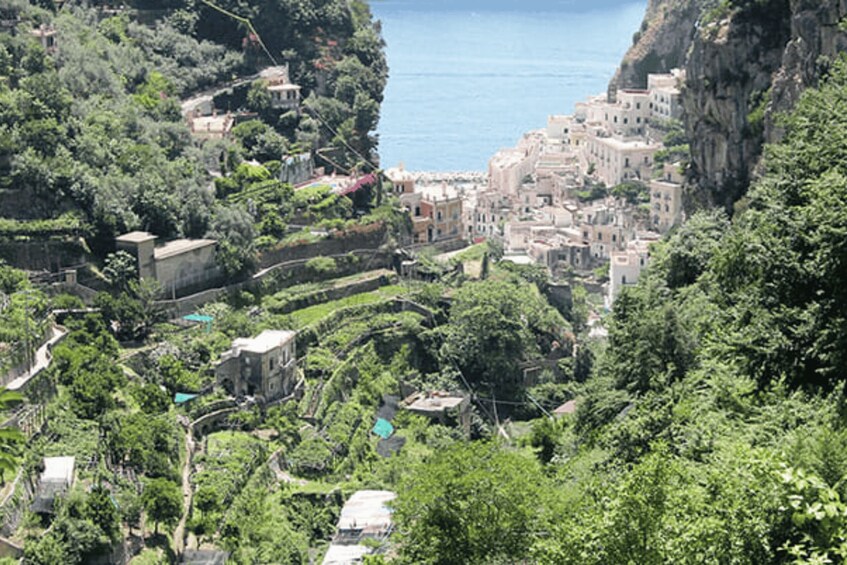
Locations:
(229, 335)
(592, 189)
(588, 191)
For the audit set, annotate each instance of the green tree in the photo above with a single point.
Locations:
(162, 501)
(471, 503)
(120, 269)
(494, 326)
(10, 437)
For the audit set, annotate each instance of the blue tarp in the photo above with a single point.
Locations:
(383, 428)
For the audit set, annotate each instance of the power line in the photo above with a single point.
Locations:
(340, 138)
(245, 21)
(317, 114)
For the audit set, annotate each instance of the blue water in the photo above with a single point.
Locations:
(468, 77)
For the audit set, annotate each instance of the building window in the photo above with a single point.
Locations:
(417, 211)
(638, 105)
(623, 279)
(271, 363)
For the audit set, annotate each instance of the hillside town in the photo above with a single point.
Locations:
(551, 199)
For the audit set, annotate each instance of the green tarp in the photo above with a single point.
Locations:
(182, 397)
(383, 428)
(198, 318)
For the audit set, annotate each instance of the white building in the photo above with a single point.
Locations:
(508, 168)
(616, 160)
(665, 95)
(666, 199)
(284, 94)
(626, 267)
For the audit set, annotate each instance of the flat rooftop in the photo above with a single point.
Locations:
(274, 72)
(519, 259)
(284, 87)
(345, 554)
(264, 342)
(399, 174)
(219, 123)
(58, 469)
(435, 402)
(628, 144)
(436, 192)
(367, 510)
(135, 237)
(180, 246)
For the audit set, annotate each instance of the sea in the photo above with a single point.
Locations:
(469, 77)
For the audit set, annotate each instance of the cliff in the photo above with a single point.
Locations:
(661, 44)
(730, 70)
(746, 62)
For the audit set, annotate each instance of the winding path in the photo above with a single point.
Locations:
(187, 493)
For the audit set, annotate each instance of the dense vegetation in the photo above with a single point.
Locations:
(709, 425)
(712, 429)
(93, 140)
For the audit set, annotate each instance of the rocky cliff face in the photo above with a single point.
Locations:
(661, 44)
(745, 63)
(818, 35)
(730, 69)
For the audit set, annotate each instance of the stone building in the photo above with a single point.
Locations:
(178, 265)
(47, 35)
(263, 366)
(284, 94)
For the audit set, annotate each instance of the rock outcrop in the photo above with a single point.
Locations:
(729, 71)
(661, 44)
(746, 62)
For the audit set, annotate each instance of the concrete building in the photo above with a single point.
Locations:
(297, 169)
(626, 266)
(442, 205)
(509, 167)
(616, 160)
(48, 36)
(263, 366)
(666, 199)
(55, 481)
(178, 265)
(216, 126)
(491, 214)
